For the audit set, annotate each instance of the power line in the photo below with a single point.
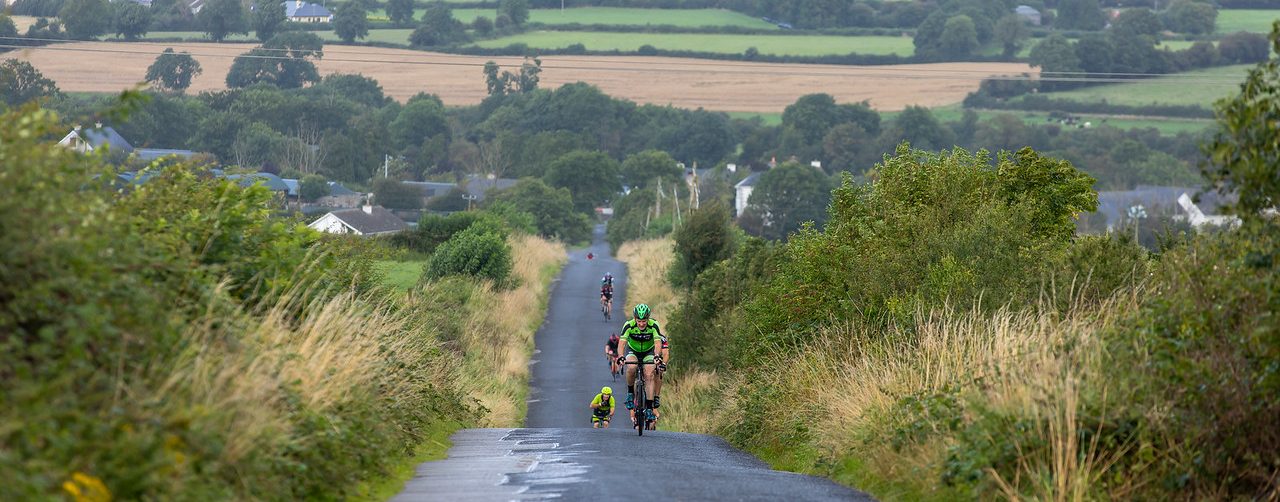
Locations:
(833, 71)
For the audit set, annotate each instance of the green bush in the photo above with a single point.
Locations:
(476, 252)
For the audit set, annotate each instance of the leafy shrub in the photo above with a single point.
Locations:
(476, 252)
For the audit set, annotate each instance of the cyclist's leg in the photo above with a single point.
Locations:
(650, 388)
(631, 376)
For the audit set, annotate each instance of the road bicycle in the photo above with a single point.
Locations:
(639, 403)
(606, 309)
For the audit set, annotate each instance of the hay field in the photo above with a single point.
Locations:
(684, 83)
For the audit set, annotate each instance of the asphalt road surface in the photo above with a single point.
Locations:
(559, 456)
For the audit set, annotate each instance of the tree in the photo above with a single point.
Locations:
(400, 11)
(918, 126)
(419, 120)
(789, 195)
(848, 147)
(511, 83)
(515, 10)
(20, 82)
(1080, 15)
(643, 168)
(1189, 16)
(704, 239)
(284, 61)
(591, 177)
(256, 145)
(1010, 32)
(7, 27)
(438, 27)
(1244, 157)
(86, 19)
(268, 17)
(1055, 54)
(351, 22)
(552, 209)
(1138, 21)
(483, 26)
(357, 88)
(173, 71)
(131, 20)
(220, 18)
(476, 252)
(959, 37)
(1243, 47)
(392, 193)
(312, 187)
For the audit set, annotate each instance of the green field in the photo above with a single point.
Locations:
(615, 15)
(796, 45)
(1175, 45)
(1200, 87)
(1254, 20)
(400, 275)
(769, 119)
(391, 36)
(954, 113)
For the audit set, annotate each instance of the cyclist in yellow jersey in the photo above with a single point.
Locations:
(602, 408)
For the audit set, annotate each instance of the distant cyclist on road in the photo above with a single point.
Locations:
(642, 336)
(611, 352)
(602, 408)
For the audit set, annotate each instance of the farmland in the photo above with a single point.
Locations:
(685, 83)
(1200, 87)
(792, 45)
(617, 16)
(1254, 20)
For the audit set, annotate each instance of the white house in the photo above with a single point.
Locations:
(85, 140)
(305, 12)
(367, 220)
(743, 192)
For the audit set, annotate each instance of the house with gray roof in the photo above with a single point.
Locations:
(1115, 206)
(88, 139)
(479, 186)
(366, 220)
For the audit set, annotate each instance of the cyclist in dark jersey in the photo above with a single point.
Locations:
(611, 351)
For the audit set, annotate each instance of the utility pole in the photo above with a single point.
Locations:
(675, 195)
(657, 201)
(386, 161)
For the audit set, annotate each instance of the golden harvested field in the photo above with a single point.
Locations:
(684, 83)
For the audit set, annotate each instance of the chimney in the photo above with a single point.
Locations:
(77, 128)
(97, 125)
(367, 209)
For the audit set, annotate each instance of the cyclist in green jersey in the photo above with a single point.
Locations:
(602, 408)
(642, 336)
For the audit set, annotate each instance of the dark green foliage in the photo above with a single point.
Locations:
(131, 20)
(284, 61)
(267, 18)
(1190, 16)
(86, 19)
(591, 177)
(1244, 158)
(351, 22)
(312, 187)
(438, 28)
(515, 10)
(642, 169)
(173, 71)
(788, 196)
(1079, 15)
(391, 193)
(1244, 47)
(220, 18)
(477, 251)
(705, 238)
(552, 209)
(20, 82)
(400, 11)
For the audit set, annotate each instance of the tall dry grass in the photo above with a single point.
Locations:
(497, 328)
(647, 264)
(846, 386)
(238, 372)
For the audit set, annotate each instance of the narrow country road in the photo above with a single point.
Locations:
(559, 456)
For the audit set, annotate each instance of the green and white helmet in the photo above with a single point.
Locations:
(641, 311)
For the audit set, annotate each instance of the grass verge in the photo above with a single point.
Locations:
(788, 45)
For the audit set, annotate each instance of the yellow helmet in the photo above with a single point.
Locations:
(606, 390)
